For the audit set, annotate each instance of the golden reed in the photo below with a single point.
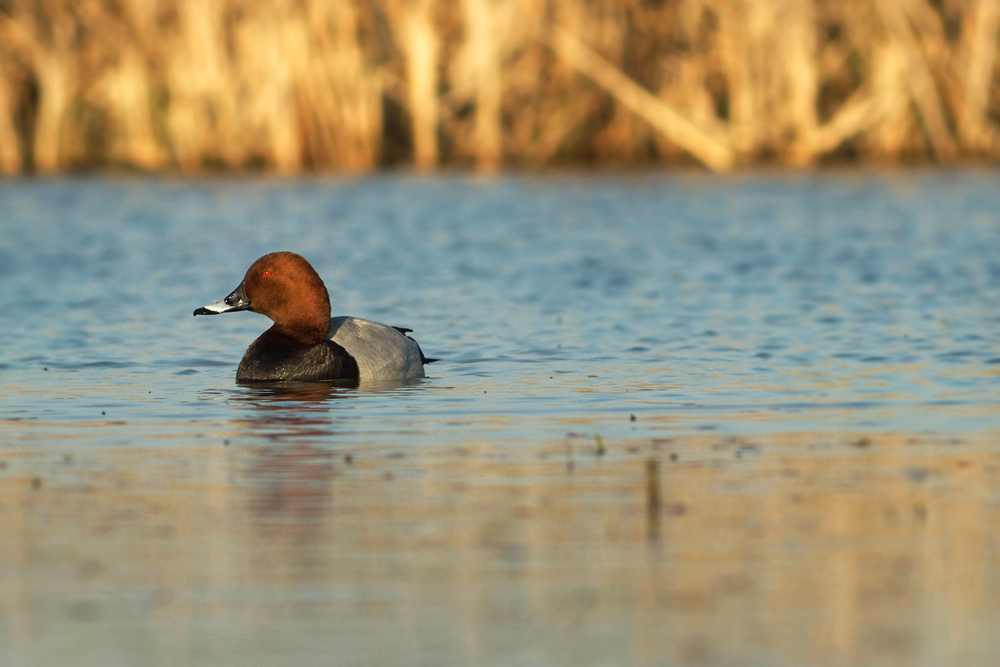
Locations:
(305, 85)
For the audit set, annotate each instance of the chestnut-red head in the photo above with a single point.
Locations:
(286, 288)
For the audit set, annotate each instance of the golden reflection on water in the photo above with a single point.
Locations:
(704, 550)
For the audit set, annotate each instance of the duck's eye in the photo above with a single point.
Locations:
(266, 273)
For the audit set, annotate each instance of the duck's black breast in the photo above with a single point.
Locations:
(269, 359)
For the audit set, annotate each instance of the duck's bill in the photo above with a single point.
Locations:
(235, 302)
(214, 309)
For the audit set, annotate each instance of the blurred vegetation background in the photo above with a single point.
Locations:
(330, 85)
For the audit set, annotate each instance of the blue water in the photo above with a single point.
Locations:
(556, 304)
(782, 391)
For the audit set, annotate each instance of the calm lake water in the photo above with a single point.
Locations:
(676, 420)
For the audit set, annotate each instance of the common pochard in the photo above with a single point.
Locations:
(305, 343)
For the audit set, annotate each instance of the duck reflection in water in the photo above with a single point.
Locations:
(303, 409)
(289, 409)
(290, 477)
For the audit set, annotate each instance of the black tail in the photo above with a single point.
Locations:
(423, 359)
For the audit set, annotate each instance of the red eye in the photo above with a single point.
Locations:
(266, 273)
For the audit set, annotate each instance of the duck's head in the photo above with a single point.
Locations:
(286, 288)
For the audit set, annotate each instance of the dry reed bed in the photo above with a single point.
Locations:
(293, 85)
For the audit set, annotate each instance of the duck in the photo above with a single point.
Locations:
(305, 343)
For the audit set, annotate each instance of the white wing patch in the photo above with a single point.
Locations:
(382, 352)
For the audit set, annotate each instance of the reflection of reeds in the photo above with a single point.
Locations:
(653, 501)
(289, 86)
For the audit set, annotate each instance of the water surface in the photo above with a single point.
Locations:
(676, 420)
